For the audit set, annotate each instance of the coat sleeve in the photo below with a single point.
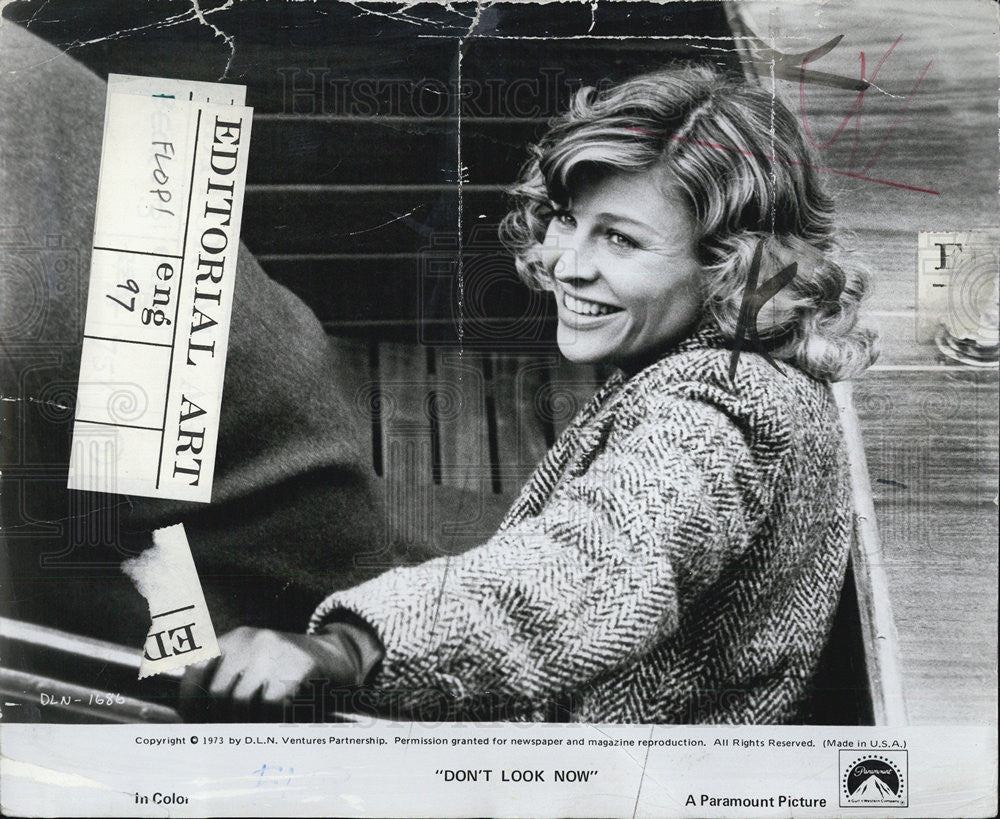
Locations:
(593, 581)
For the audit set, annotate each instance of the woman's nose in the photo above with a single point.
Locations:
(574, 264)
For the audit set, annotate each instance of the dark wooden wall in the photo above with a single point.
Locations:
(359, 117)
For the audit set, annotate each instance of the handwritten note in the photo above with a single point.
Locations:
(166, 235)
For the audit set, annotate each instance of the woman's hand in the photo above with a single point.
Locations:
(260, 671)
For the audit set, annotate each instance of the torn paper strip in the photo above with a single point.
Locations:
(180, 631)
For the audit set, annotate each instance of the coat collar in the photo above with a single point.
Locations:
(584, 432)
(705, 337)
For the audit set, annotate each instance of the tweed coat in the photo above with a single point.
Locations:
(677, 556)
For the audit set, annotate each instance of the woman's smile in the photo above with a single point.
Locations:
(587, 308)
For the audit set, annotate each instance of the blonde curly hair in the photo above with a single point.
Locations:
(749, 176)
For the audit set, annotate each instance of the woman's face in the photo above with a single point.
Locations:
(626, 281)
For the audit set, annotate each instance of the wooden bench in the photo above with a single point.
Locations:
(865, 612)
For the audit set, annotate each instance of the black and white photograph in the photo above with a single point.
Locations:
(499, 408)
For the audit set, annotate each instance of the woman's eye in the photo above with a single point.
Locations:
(621, 240)
(564, 218)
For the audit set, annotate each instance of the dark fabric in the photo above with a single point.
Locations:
(295, 500)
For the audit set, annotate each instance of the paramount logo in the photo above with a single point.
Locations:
(868, 779)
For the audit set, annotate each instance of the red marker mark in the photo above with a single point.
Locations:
(855, 111)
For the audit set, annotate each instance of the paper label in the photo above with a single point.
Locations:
(956, 284)
(166, 239)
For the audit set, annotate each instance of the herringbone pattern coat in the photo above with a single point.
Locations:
(676, 557)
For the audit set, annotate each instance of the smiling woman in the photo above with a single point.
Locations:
(678, 554)
(700, 169)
